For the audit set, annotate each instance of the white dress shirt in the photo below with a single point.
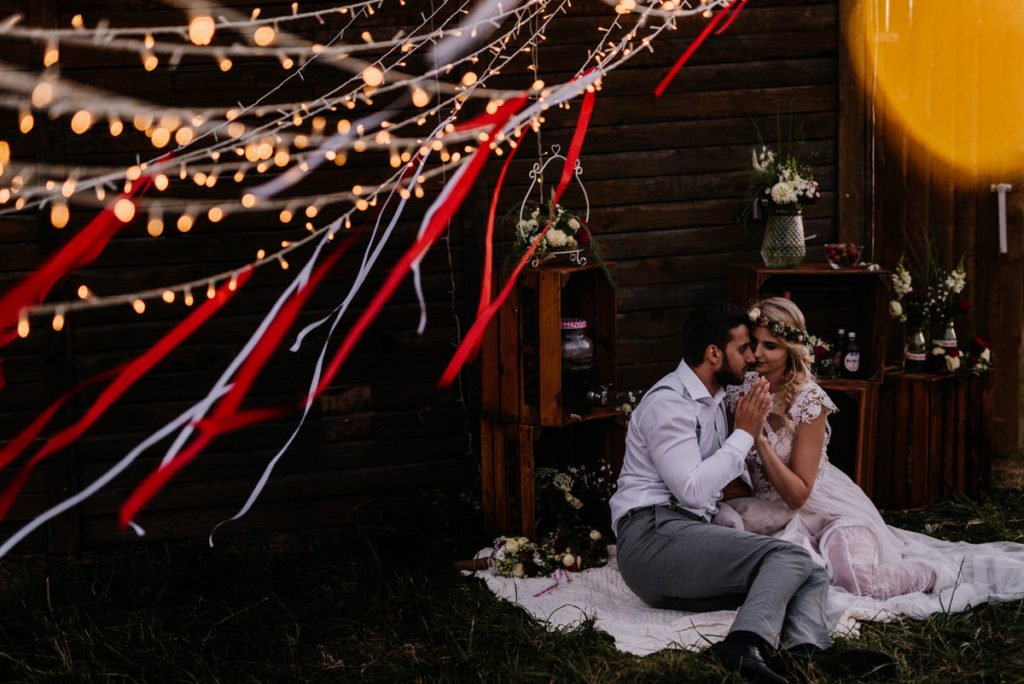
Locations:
(677, 450)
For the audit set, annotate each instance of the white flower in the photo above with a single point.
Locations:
(783, 193)
(938, 351)
(574, 224)
(754, 313)
(518, 570)
(985, 355)
(570, 241)
(556, 238)
(568, 560)
(895, 309)
(511, 546)
(952, 363)
(595, 535)
(575, 503)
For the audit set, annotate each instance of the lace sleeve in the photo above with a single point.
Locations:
(734, 392)
(809, 402)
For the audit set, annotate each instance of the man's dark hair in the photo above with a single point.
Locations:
(710, 323)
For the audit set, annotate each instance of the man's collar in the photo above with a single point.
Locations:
(694, 386)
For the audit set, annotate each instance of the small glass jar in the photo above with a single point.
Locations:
(577, 366)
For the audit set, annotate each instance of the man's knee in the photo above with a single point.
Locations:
(796, 559)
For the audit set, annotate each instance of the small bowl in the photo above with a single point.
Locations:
(843, 254)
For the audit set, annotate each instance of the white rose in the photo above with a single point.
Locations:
(518, 570)
(985, 355)
(556, 238)
(511, 546)
(574, 224)
(895, 309)
(568, 560)
(595, 535)
(952, 363)
(754, 313)
(783, 193)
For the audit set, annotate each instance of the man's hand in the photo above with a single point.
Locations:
(735, 489)
(753, 407)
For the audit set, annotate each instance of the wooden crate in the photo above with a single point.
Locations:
(521, 354)
(511, 453)
(852, 444)
(931, 439)
(831, 299)
(852, 299)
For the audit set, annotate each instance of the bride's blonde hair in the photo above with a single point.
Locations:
(800, 357)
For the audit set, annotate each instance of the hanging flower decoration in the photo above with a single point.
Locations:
(567, 231)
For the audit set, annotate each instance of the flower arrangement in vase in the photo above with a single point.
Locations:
(783, 187)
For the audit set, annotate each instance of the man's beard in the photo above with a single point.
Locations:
(726, 376)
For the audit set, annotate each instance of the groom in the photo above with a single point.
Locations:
(680, 461)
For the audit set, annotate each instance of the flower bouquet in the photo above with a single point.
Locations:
(783, 187)
(568, 505)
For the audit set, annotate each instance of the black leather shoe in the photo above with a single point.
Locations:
(744, 659)
(861, 663)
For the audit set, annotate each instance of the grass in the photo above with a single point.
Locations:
(380, 601)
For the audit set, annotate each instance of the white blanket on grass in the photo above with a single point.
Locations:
(638, 628)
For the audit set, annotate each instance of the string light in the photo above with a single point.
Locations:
(139, 305)
(124, 210)
(59, 215)
(58, 321)
(201, 30)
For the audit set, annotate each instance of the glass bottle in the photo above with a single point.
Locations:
(948, 340)
(839, 351)
(577, 366)
(915, 352)
(851, 357)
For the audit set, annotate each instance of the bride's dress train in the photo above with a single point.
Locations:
(875, 568)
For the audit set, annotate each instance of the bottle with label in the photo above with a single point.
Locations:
(577, 366)
(915, 354)
(851, 357)
(838, 351)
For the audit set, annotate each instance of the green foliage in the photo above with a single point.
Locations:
(381, 602)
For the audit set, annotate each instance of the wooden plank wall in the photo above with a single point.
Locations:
(895, 190)
(666, 179)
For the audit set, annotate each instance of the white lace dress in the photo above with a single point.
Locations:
(873, 566)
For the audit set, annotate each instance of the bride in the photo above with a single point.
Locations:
(810, 502)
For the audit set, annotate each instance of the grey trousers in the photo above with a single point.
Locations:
(672, 559)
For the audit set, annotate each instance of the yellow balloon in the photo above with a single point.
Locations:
(951, 73)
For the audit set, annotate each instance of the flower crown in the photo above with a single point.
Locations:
(778, 328)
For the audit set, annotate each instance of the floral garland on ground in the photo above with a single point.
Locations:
(567, 503)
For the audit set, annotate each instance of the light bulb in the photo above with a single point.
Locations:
(42, 94)
(183, 136)
(161, 182)
(139, 306)
(149, 61)
(23, 327)
(184, 223)
(83, 292)
(124, 210)
(420, 98)
(201, 30)
(373, 76)
(58, 321)
(215, 214)
(51, 56)
(59, 215)
(263, 36)
(168, 296)
(116, 127)
(25, 122)
(155, 227)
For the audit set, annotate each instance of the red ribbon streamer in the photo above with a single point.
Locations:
(475, 335)
(17, 445)
(732, 18)
(124, 380)
(81, 251)
(485, 285)
(226, 417)
(689, 52)
(438, 224)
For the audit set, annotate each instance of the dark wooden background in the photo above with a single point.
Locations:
(666, 177)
